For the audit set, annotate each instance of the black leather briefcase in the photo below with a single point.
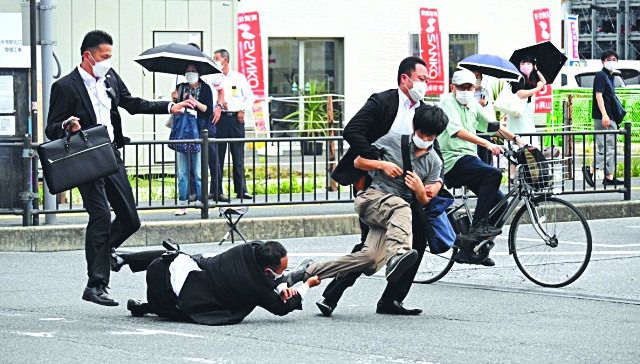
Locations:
(78, 158)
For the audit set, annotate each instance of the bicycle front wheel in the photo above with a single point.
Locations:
(434, 266)
(558, 252)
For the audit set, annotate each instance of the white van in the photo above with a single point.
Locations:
(627, 75)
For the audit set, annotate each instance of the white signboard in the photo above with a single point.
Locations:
(6, 95)
(571, 40)
(8, 125)
(12, 53)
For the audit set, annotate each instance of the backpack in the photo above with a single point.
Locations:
(536, 171)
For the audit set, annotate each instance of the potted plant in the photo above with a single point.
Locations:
(315, 116)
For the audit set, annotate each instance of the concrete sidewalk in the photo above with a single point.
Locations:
(273, 222)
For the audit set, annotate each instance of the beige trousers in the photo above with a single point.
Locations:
(389, 218)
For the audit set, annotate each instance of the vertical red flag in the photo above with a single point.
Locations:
(431, 50)
(250, 52)
(542, 25)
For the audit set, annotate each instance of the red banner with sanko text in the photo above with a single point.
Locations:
(542, 25)
(250, 52)
(431, 50)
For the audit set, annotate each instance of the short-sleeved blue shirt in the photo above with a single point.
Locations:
(600, 84)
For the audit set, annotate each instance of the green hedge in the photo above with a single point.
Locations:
(582, 120)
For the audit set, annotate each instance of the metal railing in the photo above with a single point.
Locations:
(279, 173)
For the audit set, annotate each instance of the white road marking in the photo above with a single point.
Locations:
(578, 243)
(202, 360)
(35, 334)
(145, 332)
(52, 319)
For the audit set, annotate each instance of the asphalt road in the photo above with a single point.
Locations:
(475, 314)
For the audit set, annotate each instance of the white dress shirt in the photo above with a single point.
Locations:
(180, 268)
(237, 92)
(403, 123)
(100, 101)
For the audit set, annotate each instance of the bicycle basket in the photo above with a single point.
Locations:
(544, 175)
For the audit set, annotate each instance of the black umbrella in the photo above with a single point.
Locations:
(549, 59)
(173, 58)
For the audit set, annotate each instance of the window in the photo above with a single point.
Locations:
(295, 65)
(460, 47)
(414, 44)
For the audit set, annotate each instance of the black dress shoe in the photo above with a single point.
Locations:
(488, 262)
(220, 198)
(588, 176)
(244, 196)
(115, 261)
(396, 308)
(397, 265)
(98, 295)
(137, 308)
(326, 307)
(612, 182)
(297, 274)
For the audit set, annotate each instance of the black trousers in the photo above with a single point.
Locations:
(102, 233)
(230, 127)
(394, 291)
(482, 179)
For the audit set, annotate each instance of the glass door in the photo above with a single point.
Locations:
(301, 67)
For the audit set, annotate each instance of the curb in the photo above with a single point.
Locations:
(71, 237)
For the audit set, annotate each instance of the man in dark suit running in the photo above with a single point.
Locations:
(384, 112)
(218, 290)
(87, 96)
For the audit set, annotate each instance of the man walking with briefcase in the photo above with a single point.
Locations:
(87, 96)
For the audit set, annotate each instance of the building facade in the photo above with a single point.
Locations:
(353, 47)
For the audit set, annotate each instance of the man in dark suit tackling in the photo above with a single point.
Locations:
(87, 96)
(386, 112)
(218, 290)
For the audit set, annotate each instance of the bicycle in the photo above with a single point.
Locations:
(549, 238)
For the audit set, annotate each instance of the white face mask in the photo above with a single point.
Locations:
(100, 69)
(275, 275)
(418, 91)
(465, 97)
(217, 64)
(611, 65)
(192, 77)
(421, 143)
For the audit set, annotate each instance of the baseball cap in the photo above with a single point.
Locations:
(462, 76)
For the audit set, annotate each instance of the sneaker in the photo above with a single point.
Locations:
(181, 212)
(482, 230)
(588, 176)
(297, 274)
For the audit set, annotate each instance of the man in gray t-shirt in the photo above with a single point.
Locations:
(385, 206)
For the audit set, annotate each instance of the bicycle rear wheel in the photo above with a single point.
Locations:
(434, 266)
(560, 259)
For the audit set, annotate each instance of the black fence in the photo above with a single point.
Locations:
(284, 171)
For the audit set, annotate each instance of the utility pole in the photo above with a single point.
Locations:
(47, 42)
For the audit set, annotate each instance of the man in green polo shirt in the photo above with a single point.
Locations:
(458, 142)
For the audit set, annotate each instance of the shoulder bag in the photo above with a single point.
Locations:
(510, 103)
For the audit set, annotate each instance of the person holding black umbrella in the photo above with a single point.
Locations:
(87, 96)
(525, 88)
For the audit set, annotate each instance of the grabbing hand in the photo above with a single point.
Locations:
(287, 293)
(313, 281)
(494, 149)
(178, 108)
(391, 169)
(432, 189)
(412, 180)
(71, 124)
